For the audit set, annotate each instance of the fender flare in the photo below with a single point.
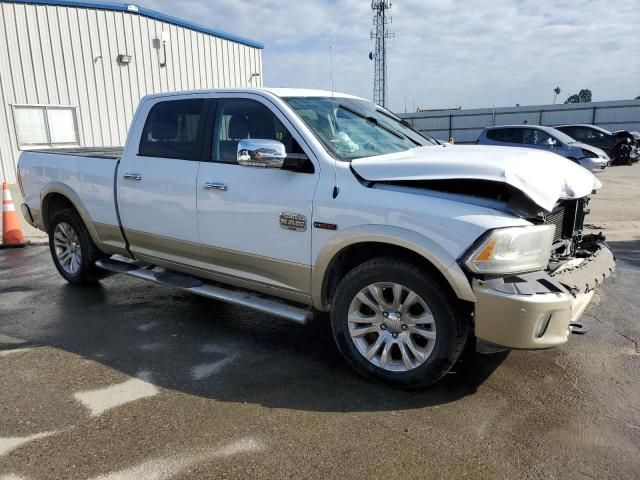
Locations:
(389, 234)
(71, 195)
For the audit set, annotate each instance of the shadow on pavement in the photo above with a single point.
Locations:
(133, 326)
(628, 251)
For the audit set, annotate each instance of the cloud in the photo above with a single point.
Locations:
(445, 52)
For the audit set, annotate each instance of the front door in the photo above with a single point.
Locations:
(157, 180)
(534, 138)
(242, 211)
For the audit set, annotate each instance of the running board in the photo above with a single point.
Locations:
(195, 285)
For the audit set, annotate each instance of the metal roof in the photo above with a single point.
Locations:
(145, 12)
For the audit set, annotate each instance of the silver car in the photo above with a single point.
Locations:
(546, 138)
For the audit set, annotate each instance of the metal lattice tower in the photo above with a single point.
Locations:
(380, 33)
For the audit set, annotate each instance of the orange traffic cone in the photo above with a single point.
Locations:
(11, 232)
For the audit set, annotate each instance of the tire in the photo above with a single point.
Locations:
(437, 340)
(68, 233)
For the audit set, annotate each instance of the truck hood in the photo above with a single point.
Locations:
(543, 177)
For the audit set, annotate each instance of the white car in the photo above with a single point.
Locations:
(295, 201)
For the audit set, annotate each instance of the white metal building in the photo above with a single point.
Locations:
(72, 72)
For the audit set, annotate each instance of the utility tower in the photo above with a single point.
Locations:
(380, 33)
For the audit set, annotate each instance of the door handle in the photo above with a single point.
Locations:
(133, 176)
(216, 186)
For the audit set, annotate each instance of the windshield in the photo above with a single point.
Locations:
(562, 137)
(350, 128)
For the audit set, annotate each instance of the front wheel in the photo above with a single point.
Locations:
(392, 322)
(74, 253)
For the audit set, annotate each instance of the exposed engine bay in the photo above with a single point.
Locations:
(571, 249)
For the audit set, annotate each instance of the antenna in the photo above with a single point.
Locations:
(379, 55)
(331, 67)
(336, 189)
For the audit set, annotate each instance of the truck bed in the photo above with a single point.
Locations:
(100, 152)
(85, 175)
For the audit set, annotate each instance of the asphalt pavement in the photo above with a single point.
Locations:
(131, 380)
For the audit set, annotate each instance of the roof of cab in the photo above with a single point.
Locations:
(278, 92)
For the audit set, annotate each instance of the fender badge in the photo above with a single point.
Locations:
(325, 226)
(293, 221)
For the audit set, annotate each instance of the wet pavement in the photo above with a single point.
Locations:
(129, 380)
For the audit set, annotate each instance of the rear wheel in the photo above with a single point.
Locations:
(74, 253)
(394, 323)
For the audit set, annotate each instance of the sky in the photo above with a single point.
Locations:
(445, 53)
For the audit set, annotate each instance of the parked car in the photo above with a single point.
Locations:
(629, 146)
(620, 146)
(546, 138)
(294, 201)
(591, 135)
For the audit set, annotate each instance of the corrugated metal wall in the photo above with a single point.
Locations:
(57, 55)
(465, 126)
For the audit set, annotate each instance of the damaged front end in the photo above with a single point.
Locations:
(539, 309)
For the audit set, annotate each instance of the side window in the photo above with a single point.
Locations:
(578, 133)
(506, 135)
(238, 119)
(174, 130)
(531, 136)
(593, 134)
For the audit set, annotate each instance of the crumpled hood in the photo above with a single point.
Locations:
(543, 177)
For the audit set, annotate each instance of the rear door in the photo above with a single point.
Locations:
(507, 136)
(243, 211)
(157, 179)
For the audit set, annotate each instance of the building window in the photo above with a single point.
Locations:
(45, 125)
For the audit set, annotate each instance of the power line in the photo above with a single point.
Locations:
(380, 33)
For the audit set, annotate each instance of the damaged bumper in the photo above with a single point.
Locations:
(534, 310)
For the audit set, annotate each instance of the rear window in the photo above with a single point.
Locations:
(507, 135)
(174, 130)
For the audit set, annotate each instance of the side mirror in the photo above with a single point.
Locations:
(257, 152)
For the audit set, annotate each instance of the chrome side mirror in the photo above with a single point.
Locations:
(259, 152)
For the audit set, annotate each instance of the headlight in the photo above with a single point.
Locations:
(513, 250)
(589, 153)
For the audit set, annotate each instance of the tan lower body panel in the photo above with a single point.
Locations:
(265, 275)
(111, 240)
(526, 321)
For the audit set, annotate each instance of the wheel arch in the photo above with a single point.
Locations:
(355, 245)
(58, 196)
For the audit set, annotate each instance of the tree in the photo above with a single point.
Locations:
(583, 96)
(638, 97)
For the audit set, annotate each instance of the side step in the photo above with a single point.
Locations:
(197, 286)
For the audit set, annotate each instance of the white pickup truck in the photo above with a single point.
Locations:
(293, 202)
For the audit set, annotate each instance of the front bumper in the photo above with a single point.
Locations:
(533, 311)
(594, 165)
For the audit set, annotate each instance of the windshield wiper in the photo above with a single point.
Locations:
(373, 120)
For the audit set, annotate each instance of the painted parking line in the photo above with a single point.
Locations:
(145, 327)
(13, 351)
(168, 467)
(207, 369)
(8, 444)
(103, 399)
